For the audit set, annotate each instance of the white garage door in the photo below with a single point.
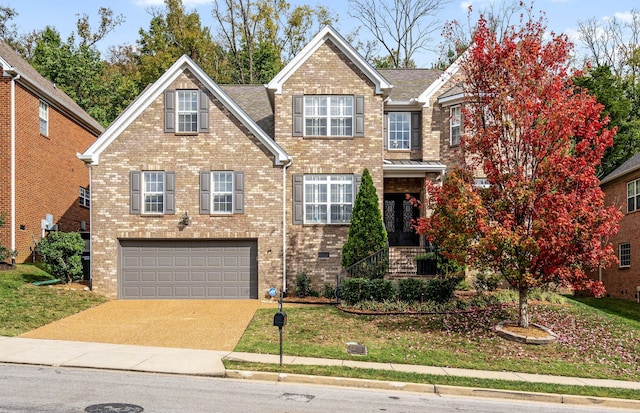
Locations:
(188, 269)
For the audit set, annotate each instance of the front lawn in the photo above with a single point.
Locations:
(590, 343)
(24, 306)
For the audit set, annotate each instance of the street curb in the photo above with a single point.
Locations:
(434, 389)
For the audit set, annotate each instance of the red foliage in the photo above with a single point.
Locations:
(538, 140)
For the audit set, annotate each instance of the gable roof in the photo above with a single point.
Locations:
(448, 74)
(630, 165)
(14, 65)
(151, 93)
(408, 83)
(330, 34)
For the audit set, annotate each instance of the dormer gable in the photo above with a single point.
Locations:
(161, 86)
(329, 34)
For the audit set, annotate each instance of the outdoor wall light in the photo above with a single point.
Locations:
(184, 220)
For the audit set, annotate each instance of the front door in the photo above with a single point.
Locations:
(398, 217)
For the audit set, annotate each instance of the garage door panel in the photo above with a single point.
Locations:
(188, 269)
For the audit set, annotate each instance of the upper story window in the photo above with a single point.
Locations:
(85, 197)
(625, 254)
(152, 192)
(186, 111)
(455, 125)
(331, 115)
(633, 195)
(328, 199)
(399, 130)
(44, 118)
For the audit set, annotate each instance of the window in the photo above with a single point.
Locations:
(328, 199)
(152, 192)
(455, 124)
(222, 192)
(399, 130)
(481, 182)
(44, 118)
(633, 195)
(186, 111)
(85, 197)
(625, 255)
(317, 115)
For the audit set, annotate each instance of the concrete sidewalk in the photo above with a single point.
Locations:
(209, 363)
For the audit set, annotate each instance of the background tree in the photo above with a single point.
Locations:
(538, 140)
(61, 252)
(260, 36)
(401, 27)
(367, 234)
(173, 32)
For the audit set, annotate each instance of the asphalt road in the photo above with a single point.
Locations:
(49, 389)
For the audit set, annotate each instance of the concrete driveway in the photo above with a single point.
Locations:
(194, 324)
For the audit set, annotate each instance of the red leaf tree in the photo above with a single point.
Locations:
(538, 139)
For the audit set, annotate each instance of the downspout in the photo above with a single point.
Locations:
(90, 229)
(14, 78)
(284, 224)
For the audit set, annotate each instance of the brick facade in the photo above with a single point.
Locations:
(622, 282)
(145, 146)
(48, 172)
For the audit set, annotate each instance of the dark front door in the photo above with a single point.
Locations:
(398, 217)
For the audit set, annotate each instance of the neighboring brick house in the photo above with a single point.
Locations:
(208, 191)
(622, 188)
(41, 132)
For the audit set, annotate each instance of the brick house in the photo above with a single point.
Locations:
(208, 191)
(41, 132)
(622, 188)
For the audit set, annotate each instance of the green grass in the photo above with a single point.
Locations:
(591, 343)
(24, 307)
(389, 375)
(627, 311)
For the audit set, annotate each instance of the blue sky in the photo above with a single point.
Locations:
(563, 15)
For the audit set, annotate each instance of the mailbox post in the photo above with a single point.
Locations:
(280, 318)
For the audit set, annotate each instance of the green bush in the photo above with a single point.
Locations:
(61, 252)
(303, 286)
(354, 290)
(486, 282)
(367, 234)
(410, 290)
(329, 291)
(441, 289)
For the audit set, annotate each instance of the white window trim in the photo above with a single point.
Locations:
(628, 245)
(43, 117)
(636, 194)
(85, 197)
(390, 145)
(144, 193)
(346, 180)
(328, 116)
(223, 193)
(194, 113)
(453, 123)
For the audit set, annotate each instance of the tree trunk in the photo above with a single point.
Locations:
(523, 307)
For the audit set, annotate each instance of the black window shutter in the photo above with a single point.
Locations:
(238, 192)
(385, 130)
(359, 116)
(203, 115)
(205, 192)
(298, 199)
(169, 110)
(170, 193)
(298, 115)
(416, 130)
(135, 192)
